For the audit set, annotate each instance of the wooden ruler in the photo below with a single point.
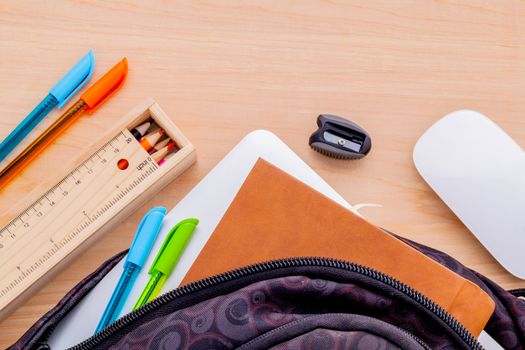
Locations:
(77, 207)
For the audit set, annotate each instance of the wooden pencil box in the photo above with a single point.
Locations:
(104, 186)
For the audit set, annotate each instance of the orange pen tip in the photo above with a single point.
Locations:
(106, 86)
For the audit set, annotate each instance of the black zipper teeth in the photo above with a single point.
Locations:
(418, 340)
(518, 292)
(193, 287)
(291, 324)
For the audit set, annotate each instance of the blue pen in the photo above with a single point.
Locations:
(138, 253)
(66, 88)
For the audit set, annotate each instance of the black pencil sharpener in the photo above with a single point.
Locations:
(340, 138)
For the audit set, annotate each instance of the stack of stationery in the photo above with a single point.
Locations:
(245, 235)
(276, 216)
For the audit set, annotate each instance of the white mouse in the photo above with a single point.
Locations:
(479, 172)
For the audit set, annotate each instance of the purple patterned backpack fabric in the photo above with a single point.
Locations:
(299, 303)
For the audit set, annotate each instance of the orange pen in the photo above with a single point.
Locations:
(90, 100)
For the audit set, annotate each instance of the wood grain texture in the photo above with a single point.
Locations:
(221, 69)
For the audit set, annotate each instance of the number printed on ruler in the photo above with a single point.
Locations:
(42, 235)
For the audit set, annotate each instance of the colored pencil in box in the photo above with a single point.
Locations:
(151, 139)
(140, 130)
(168, 157)
(157, 156)
(159, 145)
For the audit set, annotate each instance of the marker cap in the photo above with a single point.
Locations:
(106, 86)
(173, 246)
(74, 80)
(146, 233)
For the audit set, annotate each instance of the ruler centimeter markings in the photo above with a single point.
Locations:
(66, 214)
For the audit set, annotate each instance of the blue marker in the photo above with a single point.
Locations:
(138, 253)
(66, 88)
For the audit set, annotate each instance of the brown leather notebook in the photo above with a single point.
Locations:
(276, 216)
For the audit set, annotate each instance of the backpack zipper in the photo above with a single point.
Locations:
(193, 287)
(518, 293)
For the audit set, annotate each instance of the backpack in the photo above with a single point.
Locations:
(295, 303)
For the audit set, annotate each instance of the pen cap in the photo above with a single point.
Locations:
(173, 246)
(146, 233)
(106, 86)
(74, 80)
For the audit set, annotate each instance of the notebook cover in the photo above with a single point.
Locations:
(276, 216)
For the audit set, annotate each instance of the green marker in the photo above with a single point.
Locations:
(166, 259)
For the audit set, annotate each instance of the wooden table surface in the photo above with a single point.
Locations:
(221, 69)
